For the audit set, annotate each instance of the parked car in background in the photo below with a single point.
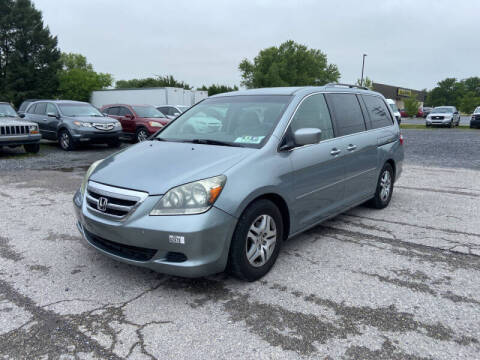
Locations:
(172, 111)
(444, 116)
(426, 111)
(24, 105)
(419, 113)
(73, 122)
(403, 113)
(395, 110)
(15, 131)
(283, 160)
(138, 121)
(475, 120)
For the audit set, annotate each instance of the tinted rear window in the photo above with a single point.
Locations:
(377, 111)
(348, 116)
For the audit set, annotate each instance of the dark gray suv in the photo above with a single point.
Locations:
(73, 122)
(193, 201)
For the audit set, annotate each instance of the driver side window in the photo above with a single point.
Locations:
(313, 113)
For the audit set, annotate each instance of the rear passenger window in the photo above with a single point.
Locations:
(113, 111)
(347, 114)
(313, 113)
(41, 109)
(124, 111)
(51, 109)
(378, 112)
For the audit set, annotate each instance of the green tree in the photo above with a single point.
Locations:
(158, 81)
(77, 79)
(367, 82)
(411, 105)
(29, 57)
(290, 64)
(218, 89)
(447, 92)
(469, 102)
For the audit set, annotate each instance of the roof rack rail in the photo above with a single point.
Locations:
(347, 85)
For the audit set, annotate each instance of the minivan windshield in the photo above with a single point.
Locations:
(147, 112)
(477, 110)
(245, 121)
(79, 110)
(443, 110)
(6, 110)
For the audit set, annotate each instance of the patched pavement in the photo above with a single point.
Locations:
(400, 283)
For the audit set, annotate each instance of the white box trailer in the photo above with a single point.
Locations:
(152, 96)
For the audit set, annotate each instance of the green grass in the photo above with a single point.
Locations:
(423, 127)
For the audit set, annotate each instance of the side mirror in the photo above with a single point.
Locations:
(22, 115)
(176, 114)
(51, 114)
(307, 136)
(129, 116)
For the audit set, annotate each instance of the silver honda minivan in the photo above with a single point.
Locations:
(193, 203)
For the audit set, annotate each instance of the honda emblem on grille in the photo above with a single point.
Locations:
(102, 204)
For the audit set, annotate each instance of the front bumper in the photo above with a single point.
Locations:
(206, 238)
(442, 122)
(15, 140)
(475, 123)
(95, 136)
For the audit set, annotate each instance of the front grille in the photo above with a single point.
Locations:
(437, 117)
(101, 126)
(113, 202)
(126, 251)
(10, 130)
(175, 257)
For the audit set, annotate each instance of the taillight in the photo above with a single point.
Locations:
(401, 139)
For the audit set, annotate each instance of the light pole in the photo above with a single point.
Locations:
(363, 67)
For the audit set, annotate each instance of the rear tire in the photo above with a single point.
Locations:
(65, 140)
(256, 241)
(32, 148)
(384, 191)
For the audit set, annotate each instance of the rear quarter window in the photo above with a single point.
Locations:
(347, 114)
(377, 111)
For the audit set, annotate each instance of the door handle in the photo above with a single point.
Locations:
(335, 151)
(351, 147)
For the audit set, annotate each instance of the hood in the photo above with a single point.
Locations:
(157, 166)
(433, 113)
(14, 121)
(93, 119)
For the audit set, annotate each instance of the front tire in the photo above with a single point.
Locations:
(141, 134)
(384, 191)
(32, 148)
(66, 141)
(256, 241)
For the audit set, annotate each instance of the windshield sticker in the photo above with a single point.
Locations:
(249, 139)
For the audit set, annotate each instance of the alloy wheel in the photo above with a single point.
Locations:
(64, 140)
(385, 185)
(261, 240)
(142, 135)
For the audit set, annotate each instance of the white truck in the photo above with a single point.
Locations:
(151, 96)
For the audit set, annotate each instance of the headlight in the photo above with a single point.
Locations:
(33, 129)
(87, 175)
(82, 124)
(192, 198)
(117, 124)
(155, 124)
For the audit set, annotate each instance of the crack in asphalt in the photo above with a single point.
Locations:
(7, 251)
(52, 335)
(470, 194)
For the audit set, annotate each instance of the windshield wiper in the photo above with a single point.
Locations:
(214, 142)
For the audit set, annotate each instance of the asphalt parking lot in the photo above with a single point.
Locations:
(464, 120)
(400, 283)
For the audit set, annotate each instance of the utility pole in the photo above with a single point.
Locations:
(363, 67)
